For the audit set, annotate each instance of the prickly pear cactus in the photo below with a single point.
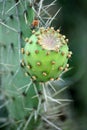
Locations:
(29, 98)
(45, 54)
(16, 18)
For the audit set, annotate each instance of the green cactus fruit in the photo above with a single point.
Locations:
(46, 54)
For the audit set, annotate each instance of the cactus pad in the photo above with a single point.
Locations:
(45, 54)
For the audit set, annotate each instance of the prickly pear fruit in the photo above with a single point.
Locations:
(45, 54)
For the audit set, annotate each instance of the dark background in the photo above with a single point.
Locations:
(73, 22)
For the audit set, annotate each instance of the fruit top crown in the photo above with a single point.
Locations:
(50, 39)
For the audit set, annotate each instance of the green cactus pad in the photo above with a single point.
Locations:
(45, 54)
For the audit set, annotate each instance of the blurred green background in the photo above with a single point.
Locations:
(72, 19)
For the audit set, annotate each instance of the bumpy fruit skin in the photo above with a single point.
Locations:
(45, 54)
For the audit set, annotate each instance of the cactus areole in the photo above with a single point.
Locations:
(45, 54)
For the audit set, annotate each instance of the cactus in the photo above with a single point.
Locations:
(45, 54)
(29, 98)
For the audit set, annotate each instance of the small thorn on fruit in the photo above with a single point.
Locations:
(26, 74)
(36, 51)
(34, 77)
(67, 65)
(44, 74)
(67, 40)
(70, 52)
(58, 78)
(60, 68)
(26, 39)
(64, 36)
(27, 53)
(22, 50)
(69, 56)
(53, 62)
(47, 53)
(62, 53)
(51, 79)
(38, 63)
(58, 30)
(28, 66)
(30, 41)
(33, 31)
(66, 69)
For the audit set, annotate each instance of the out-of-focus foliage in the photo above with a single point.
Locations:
(72, 20)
